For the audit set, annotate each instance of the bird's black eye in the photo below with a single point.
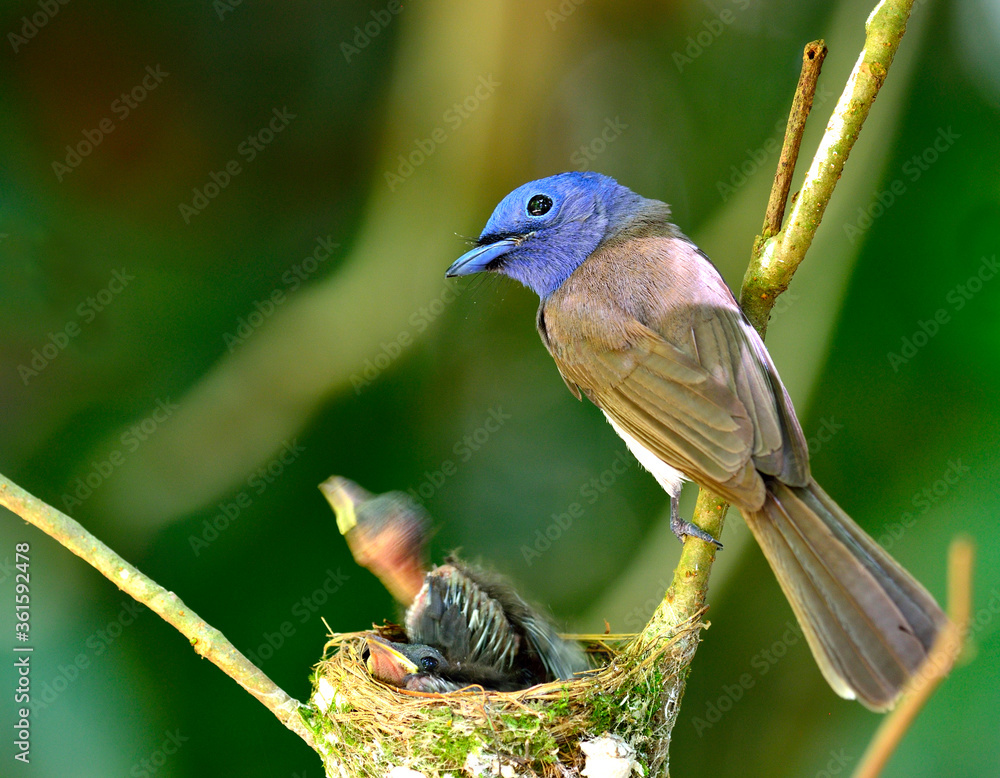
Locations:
(428, 663)
(539, 204)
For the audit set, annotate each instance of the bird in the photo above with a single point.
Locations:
(640, 322)
(387, 534)
(422, 668)
(473, 618)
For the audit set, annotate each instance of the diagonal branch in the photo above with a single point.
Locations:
(775, 260)
(204, 638)
(773, 265)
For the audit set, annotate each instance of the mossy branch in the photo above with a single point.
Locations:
(777, 254)
(204, 638)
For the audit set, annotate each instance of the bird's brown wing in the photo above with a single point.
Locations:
(677, 367)
(730, 350)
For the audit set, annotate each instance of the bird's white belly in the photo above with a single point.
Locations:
(669, 477)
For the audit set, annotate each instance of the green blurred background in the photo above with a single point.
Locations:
(204, 367)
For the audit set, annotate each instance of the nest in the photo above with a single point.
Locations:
(366, 728)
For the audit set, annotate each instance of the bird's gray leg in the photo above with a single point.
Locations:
(670, 479)
(681, 527)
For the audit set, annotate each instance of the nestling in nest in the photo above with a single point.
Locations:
(371, 727)
(486, 638)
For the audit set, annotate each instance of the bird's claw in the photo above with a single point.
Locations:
(681, 528)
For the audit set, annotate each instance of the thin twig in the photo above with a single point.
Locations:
(205, 639)
(771, 269)
(812, 64)
(942, 658)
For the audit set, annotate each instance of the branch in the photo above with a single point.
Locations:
(812, 64)
(775, 259)
(689, 589)
(942, 658)
(773, 265)
(206, 640)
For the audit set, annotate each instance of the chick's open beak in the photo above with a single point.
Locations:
(386, 661)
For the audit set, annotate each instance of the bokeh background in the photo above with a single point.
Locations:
(230, 286)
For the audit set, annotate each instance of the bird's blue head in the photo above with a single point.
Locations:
(544, 230)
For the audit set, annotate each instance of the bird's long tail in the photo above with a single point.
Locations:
(869, 623)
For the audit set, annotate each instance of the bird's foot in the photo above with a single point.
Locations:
(681, 527)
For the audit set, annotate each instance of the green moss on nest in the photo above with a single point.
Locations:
(366, 728)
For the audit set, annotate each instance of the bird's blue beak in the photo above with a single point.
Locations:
(476, 260)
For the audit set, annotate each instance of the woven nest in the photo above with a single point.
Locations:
(366, 728)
